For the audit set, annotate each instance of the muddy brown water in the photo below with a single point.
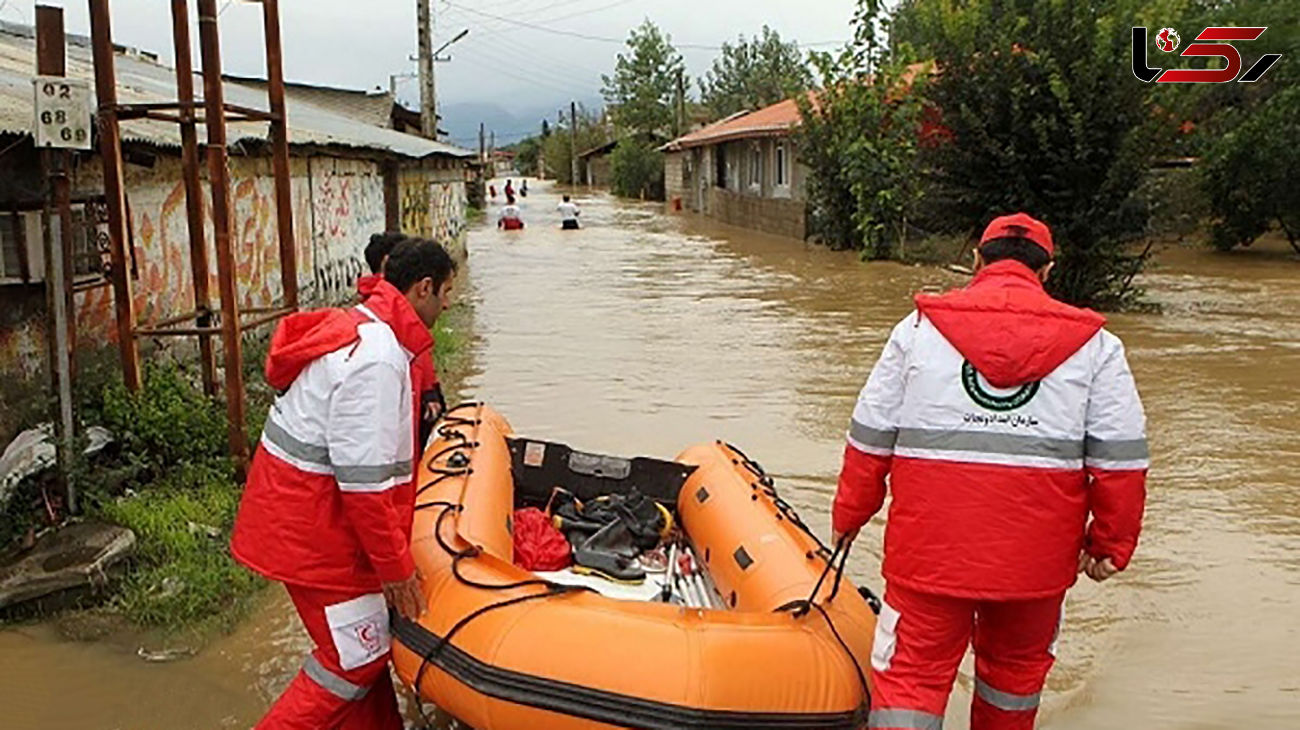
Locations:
(644, 333)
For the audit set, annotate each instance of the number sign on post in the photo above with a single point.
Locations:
(62, 112)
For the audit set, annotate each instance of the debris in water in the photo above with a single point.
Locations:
(164, 655)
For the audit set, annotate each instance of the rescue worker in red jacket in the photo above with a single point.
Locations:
(1010, 430)
(328, 505)
(424, 372)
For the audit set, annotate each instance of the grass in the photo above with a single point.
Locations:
(169, 480)
(182, 575)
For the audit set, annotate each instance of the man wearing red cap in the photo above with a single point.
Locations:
(1010, 429)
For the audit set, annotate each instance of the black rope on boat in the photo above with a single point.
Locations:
(552, 589)
(803, 606)
(783, 507)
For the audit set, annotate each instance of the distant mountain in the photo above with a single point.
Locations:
(461, 120)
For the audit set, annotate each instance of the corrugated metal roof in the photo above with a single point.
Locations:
(140, 80)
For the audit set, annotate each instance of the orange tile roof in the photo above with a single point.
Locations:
(776, 120)
(770, 121)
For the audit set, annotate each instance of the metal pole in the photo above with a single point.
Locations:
(193, 191)
(481, 158)
(110, 152)
(280, 151)
(219, 180)
(428, 105)
(573, 143)
(51, 61)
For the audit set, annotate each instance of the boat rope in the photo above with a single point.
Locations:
(551, 589)
(784, 509)
(802, 607)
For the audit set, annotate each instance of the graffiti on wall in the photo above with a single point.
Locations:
(348, 206)
(448, 202)
(432, 209)
(163, 285)
(415, 205)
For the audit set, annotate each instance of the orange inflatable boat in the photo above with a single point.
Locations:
(502, 648)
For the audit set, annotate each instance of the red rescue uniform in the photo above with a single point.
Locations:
(1010, 433)
(329, 500)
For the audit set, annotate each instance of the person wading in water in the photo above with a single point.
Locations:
(1014, 442)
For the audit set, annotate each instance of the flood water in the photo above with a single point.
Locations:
(644, 333)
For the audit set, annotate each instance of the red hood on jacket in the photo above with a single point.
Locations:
(390, 305)
(366, 285)
(302, 337)
(1008, 326)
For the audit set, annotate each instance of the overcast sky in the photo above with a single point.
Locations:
(359, 43)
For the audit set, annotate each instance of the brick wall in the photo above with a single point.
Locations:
(770, 215)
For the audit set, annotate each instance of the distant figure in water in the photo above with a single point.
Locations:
(510, 218)
(492, 190)
(523, 188)
(568, 214)
(510, 189)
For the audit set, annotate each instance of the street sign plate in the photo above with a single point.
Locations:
(62, 112)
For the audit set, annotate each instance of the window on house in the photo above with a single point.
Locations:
(21, 245)
(756, 165)
(782, 171)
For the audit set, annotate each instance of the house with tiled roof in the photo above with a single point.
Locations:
(741, 170)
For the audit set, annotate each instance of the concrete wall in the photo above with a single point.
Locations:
(675, 180)
(337, 204)
(782, 217)
(434, 199)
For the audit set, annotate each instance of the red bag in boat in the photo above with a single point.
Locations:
(538, 545)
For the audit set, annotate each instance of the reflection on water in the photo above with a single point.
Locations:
(644, 333)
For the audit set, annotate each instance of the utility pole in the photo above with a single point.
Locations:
(680, 115)
(51, 61)
(428, 105)
(481, 157)
(573, 143)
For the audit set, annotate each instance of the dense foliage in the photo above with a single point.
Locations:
(858, 138)
(636, 169)
(754, 73)
(1250, 175)
(642, 91)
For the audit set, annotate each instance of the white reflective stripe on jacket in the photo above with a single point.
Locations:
(917, 403)
(348, 414)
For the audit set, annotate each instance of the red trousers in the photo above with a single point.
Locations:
(921, 639)
(344, 684)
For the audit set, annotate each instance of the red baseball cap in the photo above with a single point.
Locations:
(1020, 225)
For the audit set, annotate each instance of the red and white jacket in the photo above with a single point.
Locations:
(1003, 419)
(330, 494)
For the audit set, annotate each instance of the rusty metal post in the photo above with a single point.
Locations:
(280, 151)
(51, 61)
(193, 190)
(219, 181)
(110, 151)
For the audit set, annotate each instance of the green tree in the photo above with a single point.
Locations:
(858, 139)
(1249, 175)
(555, 147)
(754, 73)
(643, 87)
(636, 169)
(1045, 117)
(526, 151)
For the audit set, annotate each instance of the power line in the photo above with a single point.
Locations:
(606, 39)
